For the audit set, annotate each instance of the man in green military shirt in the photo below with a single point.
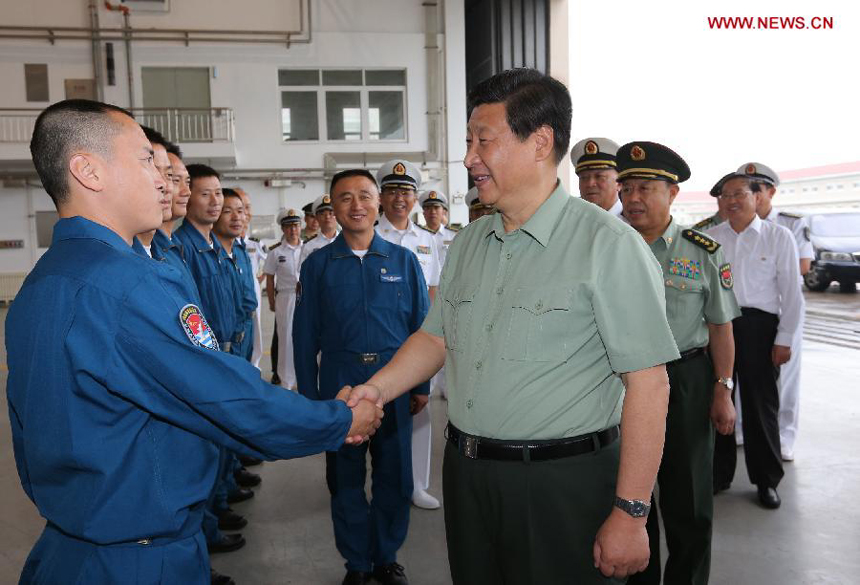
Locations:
(700, 306)
(550, 320)
(720, 216)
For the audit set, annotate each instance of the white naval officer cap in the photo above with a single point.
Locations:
(431, 197)
(759, 172)
(322, 203)
(594, 153)
(288, 216)
(399, 173)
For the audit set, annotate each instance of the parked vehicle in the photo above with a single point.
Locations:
(835, 238)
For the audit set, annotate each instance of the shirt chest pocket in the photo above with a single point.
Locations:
(761, 274)
(457, 316)
(684, 298)
(540, 326)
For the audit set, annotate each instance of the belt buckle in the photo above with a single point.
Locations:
(470, 446)
(368, 359)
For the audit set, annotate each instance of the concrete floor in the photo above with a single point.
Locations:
(813, 539)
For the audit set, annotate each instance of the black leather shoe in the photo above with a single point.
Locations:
(245, 478)
(230, 520)
(228, 543)
(239, 495)
(391, 574)
(768, 497)
(216, 578)
(356, 578)
(249, 461)
(722, 487)
(276, 380)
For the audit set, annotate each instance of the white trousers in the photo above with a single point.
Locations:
(421, 437)
(285, 305)
(789, 393)
(257, 352)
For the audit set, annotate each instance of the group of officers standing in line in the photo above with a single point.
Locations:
(574, 349)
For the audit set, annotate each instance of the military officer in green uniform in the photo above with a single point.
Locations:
(700, 306)
(550, 319)
(718, 217)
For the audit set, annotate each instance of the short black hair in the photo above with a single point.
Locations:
(759, 186)
(201, 171)
(68, 125)
(173, 148)
(154, 136)
(351, 173)
(532, 99)
(228, 192)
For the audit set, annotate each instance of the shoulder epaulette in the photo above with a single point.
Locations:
(426, 229)
(455, 227)
(311, 238)
(273, 246)
(791, 215)
(704, 224)
(253, 239)
(701, 240)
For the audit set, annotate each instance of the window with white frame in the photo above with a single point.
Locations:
(340, 105)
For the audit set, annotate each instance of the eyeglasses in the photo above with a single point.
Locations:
(404, 193)
(735, 195)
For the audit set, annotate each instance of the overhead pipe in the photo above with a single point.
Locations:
(126, 27)
(96, 50)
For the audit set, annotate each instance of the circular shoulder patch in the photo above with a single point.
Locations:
(196, 327)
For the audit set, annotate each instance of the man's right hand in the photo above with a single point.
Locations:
(366, 418)
(365, 392)
(272, 306)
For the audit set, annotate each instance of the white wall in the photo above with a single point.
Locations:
(345, 33)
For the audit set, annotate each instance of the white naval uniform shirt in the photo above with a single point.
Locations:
(443, 238)
(315, 243)
(764, 268)
(283, 263)
(420, 241)
(617, 208)
(797, 226)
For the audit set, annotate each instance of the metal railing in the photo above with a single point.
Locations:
(181, 125)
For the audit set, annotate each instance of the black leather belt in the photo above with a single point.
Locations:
(753, 311)
(480, 448)
(688, 355)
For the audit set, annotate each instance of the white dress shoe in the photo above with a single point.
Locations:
(424, 500)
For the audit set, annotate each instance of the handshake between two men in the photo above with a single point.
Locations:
(366, 404)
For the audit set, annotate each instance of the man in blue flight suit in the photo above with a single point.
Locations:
(115, 429)
(204, 256)
(359, 298)
(240, 271)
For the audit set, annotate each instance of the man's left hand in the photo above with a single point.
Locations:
(723, 414)
(621, 545)
(417, 402)
(780, 355)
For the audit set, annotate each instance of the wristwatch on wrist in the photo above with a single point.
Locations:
(727, 382)
(636, 508)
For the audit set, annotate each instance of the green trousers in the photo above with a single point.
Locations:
(518, 523)
(685, 480)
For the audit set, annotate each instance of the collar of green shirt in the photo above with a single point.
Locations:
(542, 223)
(671, 233)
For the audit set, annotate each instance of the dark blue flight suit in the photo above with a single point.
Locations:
(164, 248)
(357, 313)
(217, 293)
(117, 403)
(247, 297)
